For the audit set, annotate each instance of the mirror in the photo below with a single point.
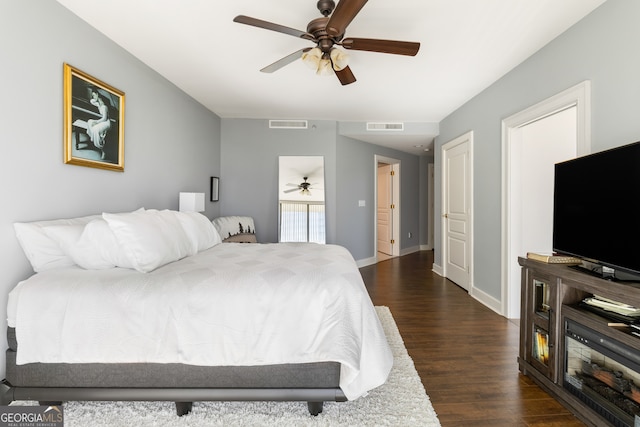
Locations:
(301, 215)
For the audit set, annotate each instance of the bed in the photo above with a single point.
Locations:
(150, 305)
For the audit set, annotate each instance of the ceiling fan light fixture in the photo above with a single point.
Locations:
(324, 67)
(312, 58)
(325, 64)
(305, 192)
(339, 59)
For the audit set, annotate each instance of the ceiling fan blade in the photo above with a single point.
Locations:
(345, 76)
(342, 16)
(285, 61)
(382, 46)
(242, 19)
(291, 191)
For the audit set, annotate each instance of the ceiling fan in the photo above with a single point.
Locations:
(328, 32)
(304, 187)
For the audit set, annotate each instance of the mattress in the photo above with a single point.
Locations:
(231, 305)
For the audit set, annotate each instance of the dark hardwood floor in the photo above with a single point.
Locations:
(465, 353)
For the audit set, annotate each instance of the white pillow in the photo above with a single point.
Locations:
(43, 252)
(151, 238)
(65, 236)
(199, 229)
(92, 247)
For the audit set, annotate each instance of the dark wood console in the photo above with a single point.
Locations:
(551, 294)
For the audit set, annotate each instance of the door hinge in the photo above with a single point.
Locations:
(393, 241)
(392, 173)
(392, 207)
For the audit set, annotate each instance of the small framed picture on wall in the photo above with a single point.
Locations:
(215, 190)
(93, 121)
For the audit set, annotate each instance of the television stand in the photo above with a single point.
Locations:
(554, 328)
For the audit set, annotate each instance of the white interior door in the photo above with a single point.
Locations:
(457, 196)
(385, 219)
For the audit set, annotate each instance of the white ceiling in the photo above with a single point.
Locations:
(466, 45)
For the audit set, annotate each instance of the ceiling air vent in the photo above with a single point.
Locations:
(385, 126)
(287, 124)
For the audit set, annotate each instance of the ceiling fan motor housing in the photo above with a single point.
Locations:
(317, 28)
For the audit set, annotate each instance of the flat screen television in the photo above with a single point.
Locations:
(597, 208)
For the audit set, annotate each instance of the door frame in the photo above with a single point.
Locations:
(465, 138)
(578, 96)
(395, 199)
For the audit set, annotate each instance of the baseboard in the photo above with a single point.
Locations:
(366, 261)
(369, 261)
(437, 269)
(410, 250)
(426, 247)
(486, 299)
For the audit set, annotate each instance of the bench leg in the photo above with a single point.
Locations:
(183, 408)
(315, 407)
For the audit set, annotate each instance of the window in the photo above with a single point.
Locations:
(302, 222)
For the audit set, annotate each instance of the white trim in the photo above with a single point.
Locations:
(437, 268)
(430, 204)
(407, 251)
(578, 96)
(468, 138)
(366, 261)
(486, 299)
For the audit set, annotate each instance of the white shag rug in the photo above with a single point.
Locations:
(401, 401)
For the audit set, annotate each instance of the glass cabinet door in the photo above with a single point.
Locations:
(540, 320)
(541, 297)
(540, 345)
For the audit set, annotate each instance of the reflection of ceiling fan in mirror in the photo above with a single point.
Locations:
(327, 33)
(304, 187)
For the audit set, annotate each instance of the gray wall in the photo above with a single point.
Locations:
(172, 143)
(601, 48)
(249, 183)
(356, 175)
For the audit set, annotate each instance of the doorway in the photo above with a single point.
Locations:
(387, 222)
(534, 140)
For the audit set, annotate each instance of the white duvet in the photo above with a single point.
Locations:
(233, 304)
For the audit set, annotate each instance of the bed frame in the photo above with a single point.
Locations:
(54, 383)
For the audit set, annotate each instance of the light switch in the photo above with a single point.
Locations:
(361, 203)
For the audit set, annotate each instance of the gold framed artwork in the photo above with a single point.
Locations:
(93, 122)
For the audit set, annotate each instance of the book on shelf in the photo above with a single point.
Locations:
(553, 258)
(541, 346)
